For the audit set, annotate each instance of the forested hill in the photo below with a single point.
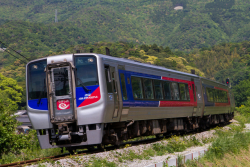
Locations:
(201, 23)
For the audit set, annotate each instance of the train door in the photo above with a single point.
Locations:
(198, 109)
(113, 93)
(124, 81)
(61, 94)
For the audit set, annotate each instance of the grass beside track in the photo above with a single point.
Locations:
(228, 141)
(231, 148)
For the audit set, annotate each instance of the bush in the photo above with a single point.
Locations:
(10, 141)
(244, 109)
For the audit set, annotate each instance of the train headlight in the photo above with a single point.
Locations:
(35, 66)
(90, 60)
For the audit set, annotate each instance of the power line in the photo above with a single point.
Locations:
(14, 56)
(14, 51)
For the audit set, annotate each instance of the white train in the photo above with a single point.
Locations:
(86, 99)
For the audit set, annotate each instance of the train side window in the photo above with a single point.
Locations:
(158, 89)
(137, 87)
(123, 86)
(187, 91)
(216, 94)
(210, 95)
(167, 91)
(225, 97)
(175, 91)
(108, 81)
(182, 91)
(148, 89)
(194, 92)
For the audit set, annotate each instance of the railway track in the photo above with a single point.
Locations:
(96, 150)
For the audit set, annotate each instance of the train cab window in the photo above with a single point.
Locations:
(108, 80)
(175, 91)
(37, 80)
(158, 89)
(86, 71)
(167, 91)
(137, 87)
(123, 86)
(148, 89)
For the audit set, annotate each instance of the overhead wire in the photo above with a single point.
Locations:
(14, 56)
(14, 51)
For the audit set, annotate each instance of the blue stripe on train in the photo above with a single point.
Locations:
(42, 106)
(81, 93)
(131, 102)
(139, 103)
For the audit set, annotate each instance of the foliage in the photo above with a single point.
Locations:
(10, 141)
(242, 92)
(244, 109)
(200, 24)
(10, 93)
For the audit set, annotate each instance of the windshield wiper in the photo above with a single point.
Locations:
(84, 87)
(41, 93)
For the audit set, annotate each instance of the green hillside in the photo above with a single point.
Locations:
(201, 23)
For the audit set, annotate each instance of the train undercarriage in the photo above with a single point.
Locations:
(116, 133)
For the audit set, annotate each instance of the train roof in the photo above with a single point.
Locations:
(125, 60)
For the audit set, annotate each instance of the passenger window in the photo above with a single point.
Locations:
(225, 97)
(108, 81)
(210, 95)
(123, 85)
(184, 92)
(137, 87)
(158, 89)
(175, 91)
(148, 88)
(167, 91)
(187, 91)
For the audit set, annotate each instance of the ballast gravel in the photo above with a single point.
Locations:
(112, 156)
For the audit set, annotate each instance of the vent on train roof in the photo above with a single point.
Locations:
(107, 51)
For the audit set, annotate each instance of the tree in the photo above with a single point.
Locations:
(241, 92)
(10, 141)
(11, 93)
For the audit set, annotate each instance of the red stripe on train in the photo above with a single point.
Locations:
(180, 103)
(176, 103)
(94, 97)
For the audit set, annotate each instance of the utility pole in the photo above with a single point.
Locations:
(56, 16)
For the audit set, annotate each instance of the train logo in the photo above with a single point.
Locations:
(63, 104)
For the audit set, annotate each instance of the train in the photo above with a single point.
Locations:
(83, 100)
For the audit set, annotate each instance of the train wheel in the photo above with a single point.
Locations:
(101, 147)
(158, 136)
(90, 148)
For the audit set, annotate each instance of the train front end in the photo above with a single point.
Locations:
(64, 100)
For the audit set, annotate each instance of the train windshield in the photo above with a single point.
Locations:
(37, 80)
(86, 71)
(61, 81)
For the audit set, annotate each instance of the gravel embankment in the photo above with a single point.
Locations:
(113, 155)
